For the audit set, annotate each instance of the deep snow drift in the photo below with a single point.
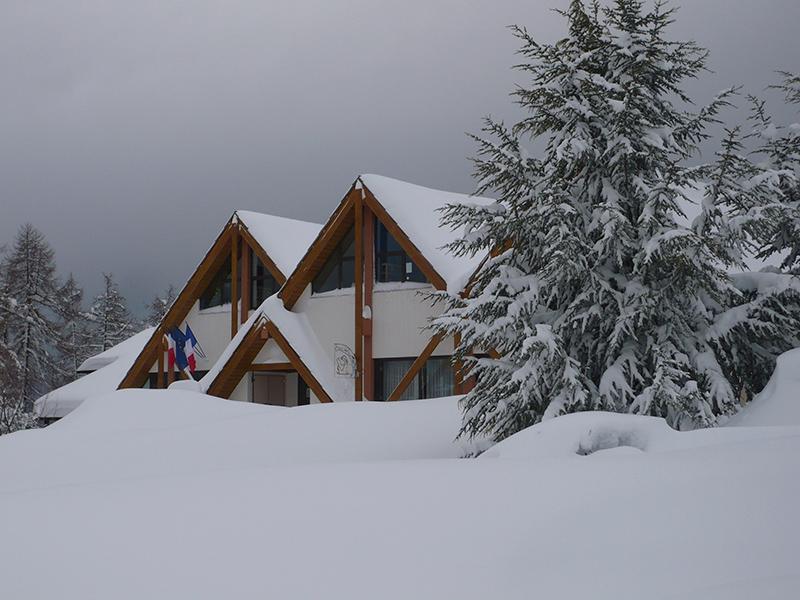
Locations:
(172, 494)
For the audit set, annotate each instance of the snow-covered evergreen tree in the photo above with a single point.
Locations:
(597, 294)
(112, 323)
(779, 151)
(74, 335)
(29, 283)
(159, 306)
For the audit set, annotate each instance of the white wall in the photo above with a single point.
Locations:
(398, 319)
(331, 316)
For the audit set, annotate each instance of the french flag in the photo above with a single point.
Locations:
(190, 344)
(170, 351)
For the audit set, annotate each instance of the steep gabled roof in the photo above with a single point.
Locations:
(127, 348)
(417, 211)
(412, 215)
(294, 336)
(256, 229)
(284, 240)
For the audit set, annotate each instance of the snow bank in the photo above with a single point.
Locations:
(590, 433)
(172, 494)
(779, 402)
(116, 360)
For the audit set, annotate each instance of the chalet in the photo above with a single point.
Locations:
(349, 321)
(290, 313)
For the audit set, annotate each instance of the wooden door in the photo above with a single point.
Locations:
(269, 388)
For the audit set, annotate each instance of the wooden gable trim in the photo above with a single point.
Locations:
(340, 222)
(239, 362)
(198, 282)
(416, 366)
(405, 242)
(298, 363)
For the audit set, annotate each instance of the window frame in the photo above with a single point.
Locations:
(255, 278)
(421, 378)
(222, 281)
(383, 254)
(335, 262)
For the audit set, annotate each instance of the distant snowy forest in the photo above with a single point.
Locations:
(47, 329)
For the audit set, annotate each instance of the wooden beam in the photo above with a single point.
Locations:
(405, 242)
(246, 272)
(334, 230)
(299, 365)
(415, 367)
(283, 366)
(234, 282)
(359, 298)
(160, 365)
(238, 363)
(369, 282)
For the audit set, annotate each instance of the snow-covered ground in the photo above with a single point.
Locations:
(172, 494)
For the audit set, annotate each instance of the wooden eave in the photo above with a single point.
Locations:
(340, 222)
(191, 292)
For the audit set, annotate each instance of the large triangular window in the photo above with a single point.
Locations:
(262, 282)
(218, 291)
(339, 271)
(391, 261)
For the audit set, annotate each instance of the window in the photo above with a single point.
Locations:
(339, 271)
(391, 261)
(262, 283)
(435, 378)
(218, 291)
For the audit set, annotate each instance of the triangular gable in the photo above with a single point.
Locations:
(338, 225)
(200, 279)
(293, 337)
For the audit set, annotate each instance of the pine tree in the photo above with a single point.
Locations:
(159, 306)
(29, 284)
(111, 320)
(74, 339)
(596, 295)
(779, 151)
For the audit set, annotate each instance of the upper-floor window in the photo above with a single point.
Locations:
(391, 261)
(262, 283)
(339, 271)
(218, 291)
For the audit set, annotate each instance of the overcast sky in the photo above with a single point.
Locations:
(130, 130)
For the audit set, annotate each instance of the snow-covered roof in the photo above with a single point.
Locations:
(106, 377)
(297, 330)
(135, 343)
(284, 240)
(416, 210)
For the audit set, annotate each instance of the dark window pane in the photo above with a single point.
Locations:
(218, 291)
(339, 270)
(327, 279)
(438, 377)
(348, 273)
